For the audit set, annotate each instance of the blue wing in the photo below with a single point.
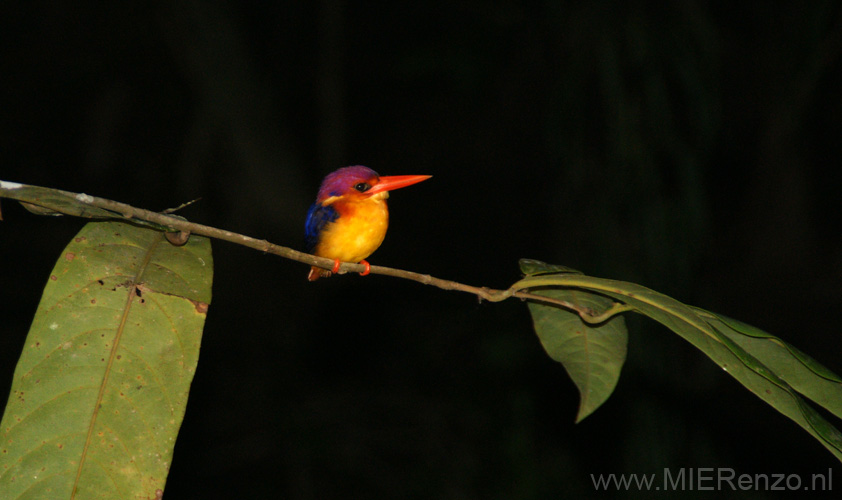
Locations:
(317, 217)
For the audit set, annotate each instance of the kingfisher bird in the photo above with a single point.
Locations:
(348, 221)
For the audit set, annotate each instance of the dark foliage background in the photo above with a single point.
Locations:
(692, 147)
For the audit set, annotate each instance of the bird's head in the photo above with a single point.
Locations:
(359, 183)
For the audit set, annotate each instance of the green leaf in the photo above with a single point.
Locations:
(803, 373)
(727, 343)
(531, 267)
(592, 355)
(101, 387)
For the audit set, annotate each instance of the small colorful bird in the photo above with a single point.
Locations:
(348, 221)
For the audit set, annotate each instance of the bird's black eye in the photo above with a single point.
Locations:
(362, 187)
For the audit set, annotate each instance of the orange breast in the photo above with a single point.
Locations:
(358, 231)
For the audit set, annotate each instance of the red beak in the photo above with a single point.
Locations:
(392, 182)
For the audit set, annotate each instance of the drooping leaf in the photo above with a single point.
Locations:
(101, 387)
(706, 331)
(592, 355)
(803, 373)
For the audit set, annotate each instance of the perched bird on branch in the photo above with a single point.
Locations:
(348, 221)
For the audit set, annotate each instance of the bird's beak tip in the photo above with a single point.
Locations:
(392, 182)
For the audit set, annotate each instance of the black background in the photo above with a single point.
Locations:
(692, 148)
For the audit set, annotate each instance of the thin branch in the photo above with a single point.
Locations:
(179, 224)
(182, 228)
(587, 314)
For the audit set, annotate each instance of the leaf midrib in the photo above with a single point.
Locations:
(115, 345)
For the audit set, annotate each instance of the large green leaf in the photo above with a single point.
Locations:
(101, 387)
(592, 355)
(737, 348)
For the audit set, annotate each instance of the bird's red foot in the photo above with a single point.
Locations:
(335, 266)
(367, 268)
